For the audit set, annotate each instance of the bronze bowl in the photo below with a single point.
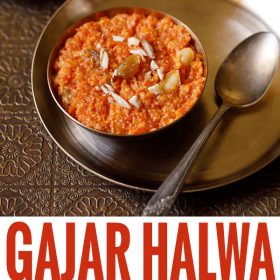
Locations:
(110, 13)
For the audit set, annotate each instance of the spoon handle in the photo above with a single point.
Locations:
(163, 199)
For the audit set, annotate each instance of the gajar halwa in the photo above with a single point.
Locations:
(129, 74)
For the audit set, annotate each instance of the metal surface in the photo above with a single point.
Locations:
(53, 184)
(164, 198)
(110, 13)
(240, 82)
(145, 164)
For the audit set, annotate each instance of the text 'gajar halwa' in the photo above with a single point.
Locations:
(129, 74)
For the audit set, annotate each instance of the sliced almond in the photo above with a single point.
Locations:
(143, 58)
(148, 75)
(109, 87)
(117, 38)
(154, 66)
(104, 59)
(148, 49)
(104, 89)
(171, 82)
(98, 46)
(101, 52)
(135, 101)
(133, 41)
(114, 75)
(160, 73)
(140, 52)
(156, 89)
(187, 56)
(120, 100)
(115, 72)
(97, 88)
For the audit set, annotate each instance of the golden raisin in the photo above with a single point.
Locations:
(129, 67)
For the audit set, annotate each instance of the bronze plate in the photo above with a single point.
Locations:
(244, 141)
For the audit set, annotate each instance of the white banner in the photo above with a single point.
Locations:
(140, 248)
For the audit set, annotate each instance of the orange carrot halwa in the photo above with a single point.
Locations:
(129, 74)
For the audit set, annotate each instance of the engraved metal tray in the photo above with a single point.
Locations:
(244, 141)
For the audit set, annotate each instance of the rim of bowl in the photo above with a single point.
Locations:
(110, 13)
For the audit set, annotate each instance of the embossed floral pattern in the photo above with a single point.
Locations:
(65, 197)
(15, 207)
(14, 90)
(24, 21)
(25, 201)
(40, 198)
(20, 150)
(41, 176)
(68, 173)
(101, 206)
(92, 201)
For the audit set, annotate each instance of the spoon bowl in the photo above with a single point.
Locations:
(245, 75)
(242, 80)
